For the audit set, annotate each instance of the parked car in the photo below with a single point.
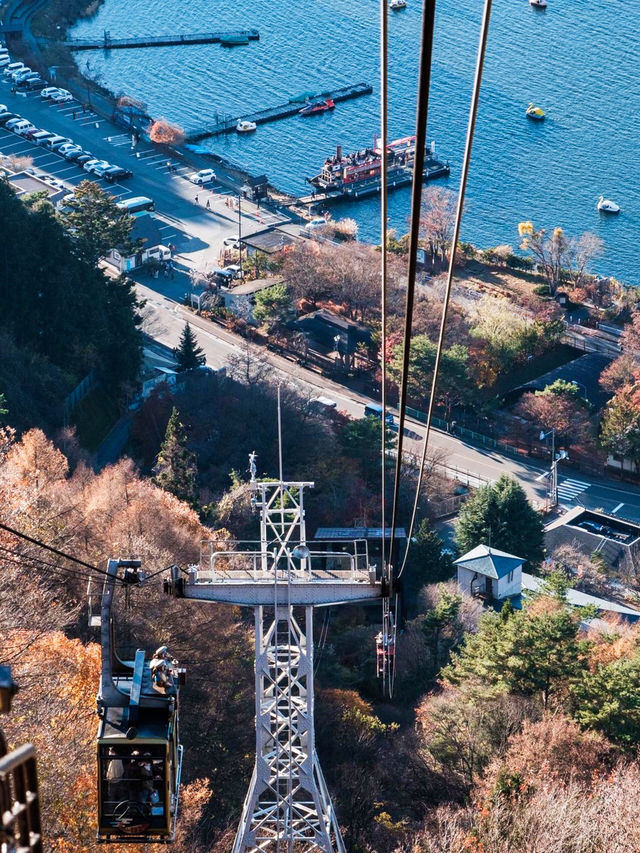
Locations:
(116, 173)
(40, 136)
(11, 123)
(23, 127)
(6, 117)
(3, 108)
(55, 142)
(83, 158)
(5, 59)
(72, 152)
(61, 96)
(48, 92)
(67, 146)
(316, 223)
(94, 166)
(20, 74)
(204, 176)
(235, 269)
(100, 169)
(36, 85)
(12, 67)
(31, 133)
(233, 242)
(24, 82)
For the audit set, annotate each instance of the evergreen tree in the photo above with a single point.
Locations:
(96, 223)
(273, 305)
(442, 616)
(607, 699)
(188, 353)
(175, 468)
(499, 515)
(532, 651)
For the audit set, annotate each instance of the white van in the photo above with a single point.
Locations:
(12, 67)
(137, 204)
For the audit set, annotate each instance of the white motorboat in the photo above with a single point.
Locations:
(538, 4)
(605, 205)
(244, 126)
(398, 4)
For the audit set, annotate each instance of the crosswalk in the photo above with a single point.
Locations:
(568, 490)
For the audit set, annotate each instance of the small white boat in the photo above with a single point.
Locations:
(244, 126)
(605, 205)
(398, 4)
(538, 4)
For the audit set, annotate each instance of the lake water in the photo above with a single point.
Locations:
(579, 60)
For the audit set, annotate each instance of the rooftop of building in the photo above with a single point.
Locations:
(490, 562)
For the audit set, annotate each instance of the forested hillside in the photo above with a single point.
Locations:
(524, 734)
(61, 316)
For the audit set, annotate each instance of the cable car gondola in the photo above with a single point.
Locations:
(139, 750)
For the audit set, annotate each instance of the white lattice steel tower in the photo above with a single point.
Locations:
(287, 808)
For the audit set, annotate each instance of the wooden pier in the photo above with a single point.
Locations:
(108, 43)
(291, 108)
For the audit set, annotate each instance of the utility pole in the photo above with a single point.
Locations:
(240, 227)
(287, 807)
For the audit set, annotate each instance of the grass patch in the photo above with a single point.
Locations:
(94, 417)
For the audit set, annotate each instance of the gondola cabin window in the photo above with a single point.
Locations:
(134, 788)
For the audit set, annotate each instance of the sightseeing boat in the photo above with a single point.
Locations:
(359, 174)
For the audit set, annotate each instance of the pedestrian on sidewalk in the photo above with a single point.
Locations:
(197, 202)
(208, 204)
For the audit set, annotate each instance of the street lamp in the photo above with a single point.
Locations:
(553, 474)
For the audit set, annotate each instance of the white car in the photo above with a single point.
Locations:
(233, 242)
(54, 142)
(12, 67)
(203, 176)
(92, 165)
(20, 74)
(61, 96)
(45, 94)
(23, 128)
(100, 169)
(67, 146)
(71, 152)
(316, 223)
(3, 108)
(13, 122)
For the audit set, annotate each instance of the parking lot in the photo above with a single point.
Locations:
(197, 228)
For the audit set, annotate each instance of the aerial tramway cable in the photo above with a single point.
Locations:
(422, 112)
(384, 254)
(482, 45)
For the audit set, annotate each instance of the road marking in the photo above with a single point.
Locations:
(614, 511)
(568, 490)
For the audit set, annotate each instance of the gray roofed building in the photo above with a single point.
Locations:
(489, 573)
(584, 371)
(575, 598)
(589, 531)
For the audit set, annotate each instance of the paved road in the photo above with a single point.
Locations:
(165, 318)
(198, 234)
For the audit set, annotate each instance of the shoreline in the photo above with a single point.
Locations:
(40, 24)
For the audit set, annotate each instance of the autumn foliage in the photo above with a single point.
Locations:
(164, 132)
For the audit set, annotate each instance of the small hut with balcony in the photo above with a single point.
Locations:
(489, 574)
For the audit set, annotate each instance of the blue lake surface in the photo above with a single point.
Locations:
(579, 60)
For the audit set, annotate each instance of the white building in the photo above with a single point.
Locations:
(489, 573)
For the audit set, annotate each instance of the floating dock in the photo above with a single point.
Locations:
(433, 169)
(291, 108)
(108, 43)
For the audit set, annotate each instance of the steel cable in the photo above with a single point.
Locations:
(475, 97)
(422, 112)
(384, 166)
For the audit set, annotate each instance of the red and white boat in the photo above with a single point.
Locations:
(317, 107)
